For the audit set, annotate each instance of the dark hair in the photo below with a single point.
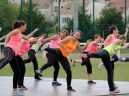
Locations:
(111, 28)
(18, 24)
(96, 36)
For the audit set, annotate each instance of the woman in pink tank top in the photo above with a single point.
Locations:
(12, 47)
(93, 46)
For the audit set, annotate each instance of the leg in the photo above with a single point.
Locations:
(22, 70)
(50, 62)
(9, 54)
(15, 69)
(31, 55)
(110, 73)
(56, 69)
(66, 66)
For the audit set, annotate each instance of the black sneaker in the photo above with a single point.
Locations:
(91, 82)
(22, 87)
(38, 78)
(71, 89)
(55, 83)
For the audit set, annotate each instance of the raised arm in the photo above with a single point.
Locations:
(30, 35)
(49, 39)
(82, 48)
(125, 46)
(126, 32)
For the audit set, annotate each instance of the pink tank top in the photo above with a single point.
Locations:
(92, 48)
(54, 42)
(111, 40)
(15, 42)
(24, 48)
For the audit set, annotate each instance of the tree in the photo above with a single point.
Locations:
(109, 16)
(84, 25)
(8, 13)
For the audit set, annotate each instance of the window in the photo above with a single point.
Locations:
(56, 9)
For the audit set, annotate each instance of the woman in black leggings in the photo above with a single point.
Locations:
(106, 54)
(52, 60)
(67, 46)
(12, 45)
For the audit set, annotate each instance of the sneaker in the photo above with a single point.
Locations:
(38, 78)
(84, 56)
(22, 88)
(38, 73)
(114, 92)
(72, 62)
(45, 46)
(101, 66)
(71, 89)
(55, 83)
(121, 59)
(91, 82)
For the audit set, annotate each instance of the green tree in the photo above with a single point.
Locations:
(8, 13)
(109, 16)
(84, 25)
(38, 19)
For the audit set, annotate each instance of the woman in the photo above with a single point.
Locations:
(93, 46)
(106, 54)
(66, 47)
(52, 60)
(12, 46)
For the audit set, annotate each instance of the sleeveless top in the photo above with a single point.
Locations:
(15, 42)
(71, 47)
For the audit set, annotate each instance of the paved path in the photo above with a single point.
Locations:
(44, 87)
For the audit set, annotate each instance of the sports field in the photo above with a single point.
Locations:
(79, 72)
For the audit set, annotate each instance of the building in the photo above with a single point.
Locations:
(45, 6)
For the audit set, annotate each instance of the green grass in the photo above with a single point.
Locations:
(79, 72)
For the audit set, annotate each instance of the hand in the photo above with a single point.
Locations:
(126, 30)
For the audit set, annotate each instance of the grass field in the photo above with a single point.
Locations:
(79, 72)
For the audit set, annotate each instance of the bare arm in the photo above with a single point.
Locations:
(81, 49)
(30, 35)
(49, 39)
(126, 32)
(125, 46)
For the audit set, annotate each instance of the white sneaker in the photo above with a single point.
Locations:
(114, 92)
(101, 66)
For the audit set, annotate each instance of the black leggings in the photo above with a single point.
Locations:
(64, 62)
(16, 65)
(32, 58)
(18, 68)
(104, 55)
(9, 55)
(52, 61)
(87, 63)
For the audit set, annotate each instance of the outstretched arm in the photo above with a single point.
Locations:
(30, 35)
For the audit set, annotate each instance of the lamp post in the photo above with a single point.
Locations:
(21, 10)
(125, 13)
(58, 15)
(30, 15)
